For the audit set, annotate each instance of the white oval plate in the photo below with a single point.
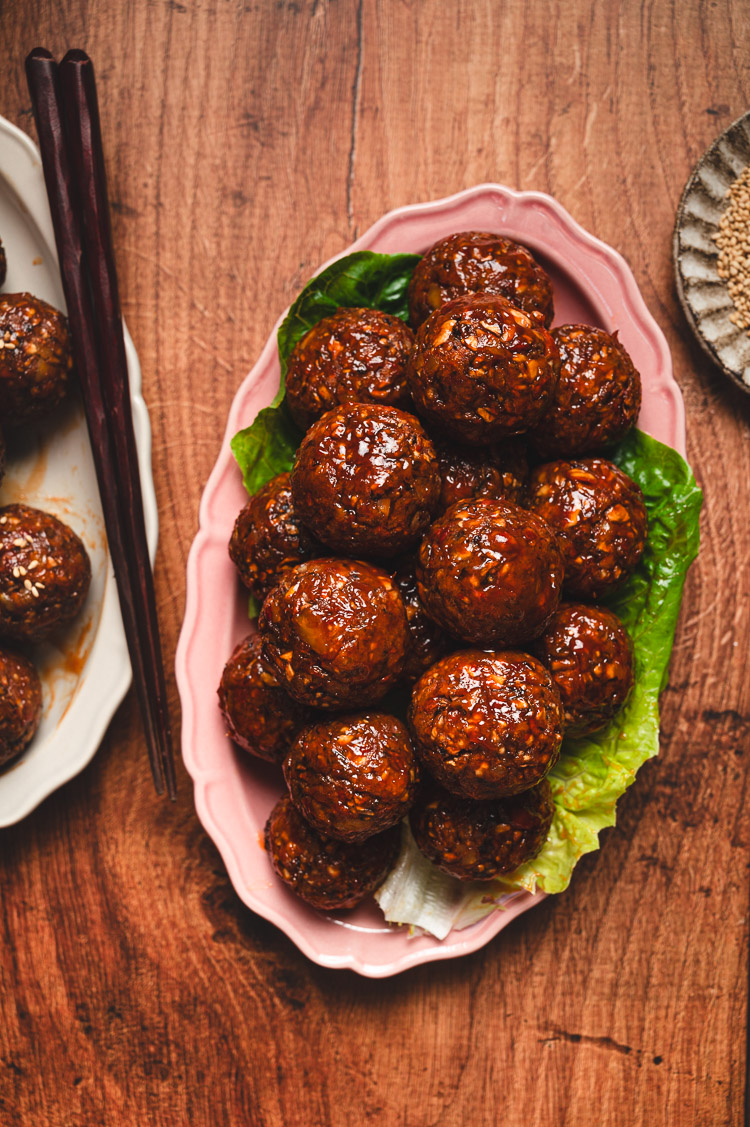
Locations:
(87, 673)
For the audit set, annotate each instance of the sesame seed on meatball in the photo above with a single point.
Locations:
(45, 573)
(481, 840)
(260, 717)
(352, 776)
(482, 369)
(268, 539)
(35, 358)
(599, 518)
(335, 632)
(353, 356)
(490, 572)
(486, 724)
(590, 658)
(366, 480)
(478, 262)
(597, 398)
(323, 872)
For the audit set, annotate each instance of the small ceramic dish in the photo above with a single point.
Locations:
(234, 795)
(703, 294)
(86, 673)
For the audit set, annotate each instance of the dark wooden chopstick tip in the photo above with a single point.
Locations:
(76, 55)
(39, 54)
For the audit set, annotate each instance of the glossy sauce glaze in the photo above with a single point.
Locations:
(490, 572)
(598, 394)
(486, 724)
(478, 262)
(353, 356)
(352, 776)
(35, 358)
(335, 632)
(45, 573)
(590, 658)
(495, 471)
(268, 539)
(20, 704)
(366, 480)
(481, 840)
(427, 641)
(323, 872)
(482, 369)
(260, 717)
(599, 518)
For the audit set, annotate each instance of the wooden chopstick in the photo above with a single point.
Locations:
(102, 373)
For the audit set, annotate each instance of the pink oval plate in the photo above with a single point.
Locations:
(233, 796)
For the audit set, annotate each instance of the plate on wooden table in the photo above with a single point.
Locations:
(703, 294)
(233, 796)
(86, 672)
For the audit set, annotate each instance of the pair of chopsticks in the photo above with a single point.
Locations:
(67, 119)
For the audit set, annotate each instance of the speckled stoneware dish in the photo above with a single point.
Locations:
(702, 293)
(233, 794)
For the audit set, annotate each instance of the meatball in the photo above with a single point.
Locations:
(482, 840)
(484, 471)
(427, 642)
(267, 538)
(353, 356)
(478, 262)
(335, 632)
(598, 515)
(260, 716)
(482, 370)
(20, 704)
(487, 724)
(45, 573)
(352, 776)
(3, 264)
(323, 872)
(590, 658)
(366, 480)
(35, 358)
(598, 394)
(490, 573)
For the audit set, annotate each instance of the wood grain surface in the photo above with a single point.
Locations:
(246, 143)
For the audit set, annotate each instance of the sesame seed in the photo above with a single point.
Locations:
(733, 242)
(28, 584)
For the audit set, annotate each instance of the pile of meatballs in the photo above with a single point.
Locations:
(45, 570)
(447, 528)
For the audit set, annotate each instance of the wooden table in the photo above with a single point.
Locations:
(246, 143)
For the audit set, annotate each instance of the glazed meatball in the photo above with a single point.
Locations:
(366, 480)
(598, 515)
(259, 715)
(20, 704)
(335, 632)
(323, 872)
(598, 394)
(486, 724)
(354, 356)
(3, 264)
(427, 642)
(478, 262)
(481, 840)
(45, 573)
(490, 572)
(590, 658)
(482, 370)
(35, 359)
(352, 776)
(481, 471)
(267, 539)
